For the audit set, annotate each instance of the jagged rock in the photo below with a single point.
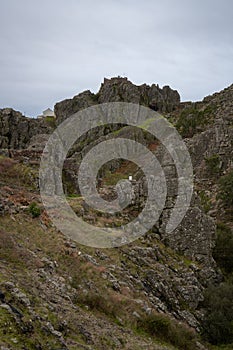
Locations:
(67, 107)
(38, 142)
(120, 90)
(217, 140)
(194, 237)
(17, 130)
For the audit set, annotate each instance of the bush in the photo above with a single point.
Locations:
(205, 201)
(192, 120)
(163, 328)
(95, 301)
(223, 251)
(217, 326)
(51, 121)
(34, 210)
(226, 189)
(213, 164)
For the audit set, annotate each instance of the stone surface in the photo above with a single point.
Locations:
(120, 90)
(67, 107)
(16, 130)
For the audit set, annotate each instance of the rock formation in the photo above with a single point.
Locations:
(16, 130)
(85, 298)
(120, 90)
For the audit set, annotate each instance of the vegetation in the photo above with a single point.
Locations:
(51, 121)
(14, 172)
(158, 326)
(26, 335)
(101, 303)
(34, 210)
(162, 327)
(213, 164)
(218, 321)
(223, 251)
(226, 188)
(205, 201)
(192, 120)
(111, 178)
(74, 195)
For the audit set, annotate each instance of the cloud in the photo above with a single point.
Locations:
(55, 49)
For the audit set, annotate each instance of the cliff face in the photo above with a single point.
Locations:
(217, 133)
(16, 130)
(79, 297)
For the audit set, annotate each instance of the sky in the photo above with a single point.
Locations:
(55, 49)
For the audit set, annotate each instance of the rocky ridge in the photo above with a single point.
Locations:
(120, 90)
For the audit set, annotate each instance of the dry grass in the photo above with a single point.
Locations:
(14, 173)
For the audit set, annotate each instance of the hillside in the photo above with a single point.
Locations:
(154, 293)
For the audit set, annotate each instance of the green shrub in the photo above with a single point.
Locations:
(213, 164)
(217, 326)
(34, 210)
(205, 201)
(192, 120)
(51, 121)
(163, 328)
(226, 189)
(223, 251)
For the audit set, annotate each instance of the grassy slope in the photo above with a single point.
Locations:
(63, 292)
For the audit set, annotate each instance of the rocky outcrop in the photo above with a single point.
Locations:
(216, 141)
(194, 237)
(121, 90)
(218, 136)
(67, 107)
(16, 130)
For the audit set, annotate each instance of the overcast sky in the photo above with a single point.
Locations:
(54, 49)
